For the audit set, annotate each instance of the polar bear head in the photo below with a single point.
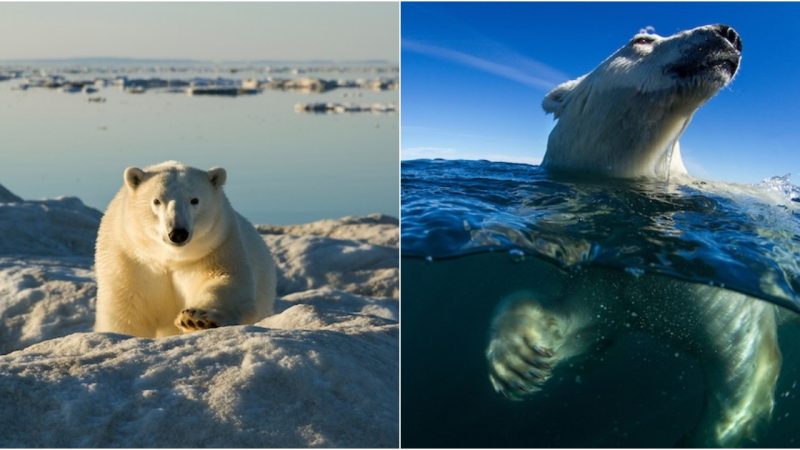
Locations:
(175, 210)
(623, 119)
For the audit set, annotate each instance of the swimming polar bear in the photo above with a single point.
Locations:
(173, 256)
(624, 119)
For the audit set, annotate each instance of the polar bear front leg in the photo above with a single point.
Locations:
(527, 341)
(221, 301)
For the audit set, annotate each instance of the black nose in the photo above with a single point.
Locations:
(178, 235)
(730, 35)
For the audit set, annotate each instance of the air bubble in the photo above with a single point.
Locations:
(635, 271)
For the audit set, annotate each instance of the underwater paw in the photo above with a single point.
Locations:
(518, 369)
(522, 350)
(195, 319)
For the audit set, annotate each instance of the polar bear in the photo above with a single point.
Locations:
(623, 119)
(173, 256)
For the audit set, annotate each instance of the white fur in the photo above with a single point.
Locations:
(734, 337)
(624, 118)
(223, 274)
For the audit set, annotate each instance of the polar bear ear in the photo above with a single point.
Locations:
(217, 176)
(555, 100)
(133, 177)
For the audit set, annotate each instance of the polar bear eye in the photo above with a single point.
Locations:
(643, 41)
(194, 201)
(156, 202)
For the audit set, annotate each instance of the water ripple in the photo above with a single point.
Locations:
(707, 233)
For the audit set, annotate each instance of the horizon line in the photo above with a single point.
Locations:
(196, 60)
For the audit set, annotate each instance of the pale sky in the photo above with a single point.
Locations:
(206, 31)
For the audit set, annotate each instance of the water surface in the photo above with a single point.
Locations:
(475, 232)
(283, 167)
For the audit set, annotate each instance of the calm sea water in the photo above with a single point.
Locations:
(283, 167)
(475, 232)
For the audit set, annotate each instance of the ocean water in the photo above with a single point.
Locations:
(283, 167)
(475, 232)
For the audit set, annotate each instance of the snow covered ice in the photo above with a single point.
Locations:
(321, 372)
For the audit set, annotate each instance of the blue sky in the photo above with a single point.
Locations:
(474, 75)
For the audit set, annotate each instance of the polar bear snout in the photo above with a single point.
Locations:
(710, 57)
(730, 59)
(179, 236)
(176, 222)
(730, 35)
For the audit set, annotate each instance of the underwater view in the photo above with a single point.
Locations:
(548, 312)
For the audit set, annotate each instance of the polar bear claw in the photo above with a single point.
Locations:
(195, 319)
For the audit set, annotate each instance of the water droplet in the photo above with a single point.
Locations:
(429, 259)
(516, 255)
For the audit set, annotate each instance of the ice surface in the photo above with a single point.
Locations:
(323, 371)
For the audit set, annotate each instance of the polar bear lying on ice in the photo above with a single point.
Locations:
(623, 120)
(173, 256)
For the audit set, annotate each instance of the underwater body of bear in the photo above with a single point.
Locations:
(173, 256)
(623, 120)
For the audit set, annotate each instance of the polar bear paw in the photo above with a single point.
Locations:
(195, 319)
(523, 349)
